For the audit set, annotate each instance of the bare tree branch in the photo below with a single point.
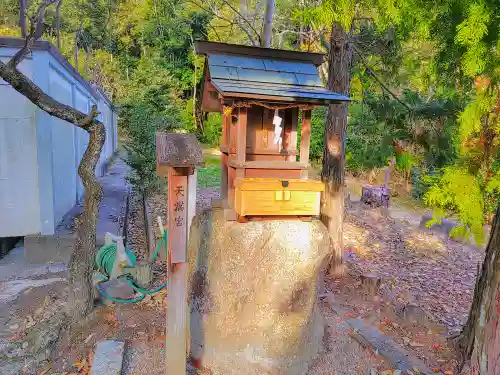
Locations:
(23, 85)
(26, 87)
(36, 31)
(287, 31)
(215, 31)
(249, 35)
(242, 17)
(216, 14)
(372, 73)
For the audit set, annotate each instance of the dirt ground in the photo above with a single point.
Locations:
(409, 307)
(142, 327)
(423, 294)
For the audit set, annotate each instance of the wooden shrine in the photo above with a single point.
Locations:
(260, 93)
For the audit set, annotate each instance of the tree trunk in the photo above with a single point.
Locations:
(82, 259)
(81, 262)
(58, 24)
(22, 17)
(332, 174)
(86, 66)
(75, 51)
(268, 25)
(479, 340)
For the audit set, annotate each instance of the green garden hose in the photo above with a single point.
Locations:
(105, 260)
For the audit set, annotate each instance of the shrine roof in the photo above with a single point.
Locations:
(264, 73)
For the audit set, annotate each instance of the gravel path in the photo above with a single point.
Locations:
(136, 230)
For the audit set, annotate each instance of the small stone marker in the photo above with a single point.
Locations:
(108, 358)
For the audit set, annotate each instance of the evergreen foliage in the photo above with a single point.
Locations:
(438, 113)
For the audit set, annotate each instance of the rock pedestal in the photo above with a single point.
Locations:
(253, 293)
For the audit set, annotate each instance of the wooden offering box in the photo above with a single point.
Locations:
(277, 197)
(261, 94)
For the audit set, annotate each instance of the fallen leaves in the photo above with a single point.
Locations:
(81, 365)
(29, 322)
(84, 366)
(155, 300)
(44, 371)
(372, 371)
(17, 336)
(415, 344)
(437, 346)
(89, 337)
(111, 319)
(414, 263)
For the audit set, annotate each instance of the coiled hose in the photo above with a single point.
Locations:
(105, 260)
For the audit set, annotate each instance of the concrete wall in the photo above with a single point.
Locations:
(19, 200)
(42, 184)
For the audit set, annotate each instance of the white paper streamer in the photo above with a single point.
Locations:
(277, 127)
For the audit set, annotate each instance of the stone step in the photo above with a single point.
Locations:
(39, 249)
(108, 358)
(368, 336)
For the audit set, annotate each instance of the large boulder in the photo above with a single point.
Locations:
(253, 289)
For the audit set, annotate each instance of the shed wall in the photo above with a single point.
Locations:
(39, 154)
(69, 142)
(19, 204)
(63, 148)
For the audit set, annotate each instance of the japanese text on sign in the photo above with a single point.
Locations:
(177, 214)
(179, 206)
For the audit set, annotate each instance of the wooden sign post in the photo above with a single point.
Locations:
(177, 156)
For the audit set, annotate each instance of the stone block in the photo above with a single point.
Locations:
(108, 358)
(117, 288)
(45, 249)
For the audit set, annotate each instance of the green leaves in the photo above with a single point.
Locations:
(460, 191)
(471, 118)
(475, 27)
(471, 34)
(493, 185)
(475, 59)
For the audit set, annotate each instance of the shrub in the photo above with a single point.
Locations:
(141, 124)
(212, 128)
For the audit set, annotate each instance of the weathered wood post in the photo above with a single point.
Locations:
(177, 155)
